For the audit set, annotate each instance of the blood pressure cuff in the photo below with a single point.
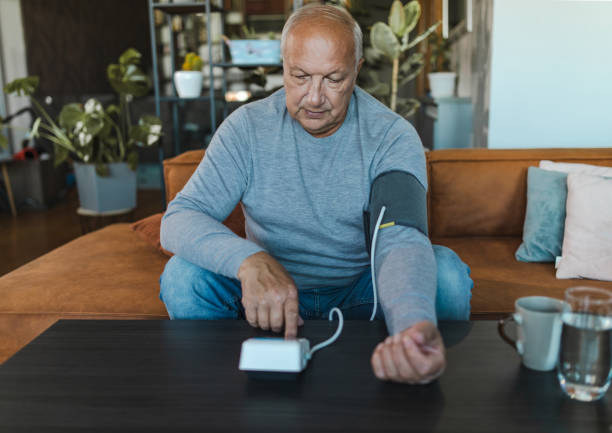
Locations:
(404, 198)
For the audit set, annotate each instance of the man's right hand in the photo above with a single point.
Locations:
(269, 295)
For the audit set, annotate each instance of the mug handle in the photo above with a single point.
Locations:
(501, 329)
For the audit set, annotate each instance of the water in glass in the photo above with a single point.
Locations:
(585, 356)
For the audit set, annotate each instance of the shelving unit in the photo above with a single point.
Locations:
(170, 10)
(185, 8)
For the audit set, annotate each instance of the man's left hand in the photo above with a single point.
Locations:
(416, 355)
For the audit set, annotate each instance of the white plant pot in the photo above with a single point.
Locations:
(114, 192)
(188, 83)
(442, 84)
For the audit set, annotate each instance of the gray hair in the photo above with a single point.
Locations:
(329, 13)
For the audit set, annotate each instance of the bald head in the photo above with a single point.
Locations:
(334, 22)
(321, 61)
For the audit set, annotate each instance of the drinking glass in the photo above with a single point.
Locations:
(585, 356)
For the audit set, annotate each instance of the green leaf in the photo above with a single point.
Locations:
(440, 53)
(371, 54)
(3, 141)
(61, 154)
(34, 131)
(192, 62)
(384, 40)
(409, 107)
(132, 159)
(397, 18)
(379, 89)
(373, 75)
(149, 119)
(411, 76)
(138, 134)
(102, 169)
(113, 109)
(414, 60)
(22, 86)
(94, 124)
(130, 56)
(128, 79)
(114, 75)
(147, 132)
(105, 132)
(42, 112)
(423, 35)
(70, 115)
(412, 12)
(60, 142)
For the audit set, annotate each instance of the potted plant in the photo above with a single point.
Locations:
(188, 81)
(391, 41)
(101, 142)
(441, 78)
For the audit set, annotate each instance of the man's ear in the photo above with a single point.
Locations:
(359, 65)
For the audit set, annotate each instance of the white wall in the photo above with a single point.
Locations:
(551, 74)
(12, 51)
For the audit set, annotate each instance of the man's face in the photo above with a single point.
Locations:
(319, 76)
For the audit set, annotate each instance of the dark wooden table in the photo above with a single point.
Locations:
(179, 376)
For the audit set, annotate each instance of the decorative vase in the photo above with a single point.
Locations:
(115, 192)
(442, 84)
(188, 83)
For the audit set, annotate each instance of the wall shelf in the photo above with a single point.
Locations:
(214, 97)
(185, 8)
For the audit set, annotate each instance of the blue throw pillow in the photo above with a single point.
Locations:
(545, 216)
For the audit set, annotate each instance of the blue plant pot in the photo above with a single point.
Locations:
(99, 194)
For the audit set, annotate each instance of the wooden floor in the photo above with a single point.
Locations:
(34, 233)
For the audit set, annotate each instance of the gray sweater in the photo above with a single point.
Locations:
(303, 200)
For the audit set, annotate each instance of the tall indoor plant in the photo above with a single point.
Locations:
(102, 142)
(391, 41)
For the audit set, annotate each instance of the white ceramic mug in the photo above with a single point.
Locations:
(538, 320)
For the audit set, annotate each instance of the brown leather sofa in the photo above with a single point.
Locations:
(477, 200)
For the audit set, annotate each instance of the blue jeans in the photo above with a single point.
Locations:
(191, 292)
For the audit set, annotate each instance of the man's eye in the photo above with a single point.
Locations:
(301, 77)
(331, 80)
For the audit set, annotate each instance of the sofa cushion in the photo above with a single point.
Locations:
(565, 167)
(109, 271)
(148, 230)
(545, 216)
(587, 243)
(499, 279)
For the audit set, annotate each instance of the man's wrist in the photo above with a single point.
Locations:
(398, 319)
(248, 263)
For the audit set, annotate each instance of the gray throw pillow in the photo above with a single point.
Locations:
(545, 216)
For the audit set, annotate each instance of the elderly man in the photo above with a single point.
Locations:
(302, 163)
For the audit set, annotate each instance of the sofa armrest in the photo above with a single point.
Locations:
(178, 170)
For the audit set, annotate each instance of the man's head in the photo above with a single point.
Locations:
(322, 50)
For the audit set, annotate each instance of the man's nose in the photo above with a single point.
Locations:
(315, 92)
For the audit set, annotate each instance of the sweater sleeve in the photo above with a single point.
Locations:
(192, 225)
(405, 277)
(404, 259)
